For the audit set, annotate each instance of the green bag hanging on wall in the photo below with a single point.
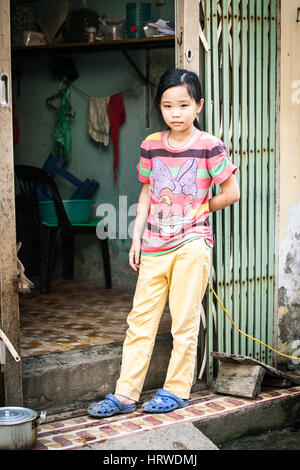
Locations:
(62, 131)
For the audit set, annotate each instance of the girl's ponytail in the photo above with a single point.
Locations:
(196, 124)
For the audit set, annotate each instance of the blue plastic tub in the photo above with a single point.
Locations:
(78, 211)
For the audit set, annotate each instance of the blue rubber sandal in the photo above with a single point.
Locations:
(163, 402)
(109, 406)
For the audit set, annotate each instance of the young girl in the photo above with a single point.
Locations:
(172, 254)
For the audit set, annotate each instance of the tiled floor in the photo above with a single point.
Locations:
(80, 432)
(75, 315)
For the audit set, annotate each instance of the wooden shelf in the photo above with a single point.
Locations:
(122, 44)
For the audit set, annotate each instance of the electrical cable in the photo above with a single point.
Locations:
(245, 334)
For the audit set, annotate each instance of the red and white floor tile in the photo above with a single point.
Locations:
(83, 431)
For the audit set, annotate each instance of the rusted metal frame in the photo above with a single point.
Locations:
(148, 90)
(258, 182)
(264, 174)
(145, 79)
(274, 78)
(251, 161)
(208, 72)
(12, 375)
(209, 306)
(236, 20)
(218, 224)
(243, 174)
(226, 138)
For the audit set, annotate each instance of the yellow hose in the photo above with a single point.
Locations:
(245, 334)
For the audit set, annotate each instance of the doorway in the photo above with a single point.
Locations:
(80, 315)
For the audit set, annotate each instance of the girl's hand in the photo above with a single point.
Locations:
(139, 224)
(134, 254)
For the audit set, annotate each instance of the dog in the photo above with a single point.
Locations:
(21, 283)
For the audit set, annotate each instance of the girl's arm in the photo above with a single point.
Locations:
(139, 225)
(230, 193)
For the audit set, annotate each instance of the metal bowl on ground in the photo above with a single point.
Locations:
(18, 427)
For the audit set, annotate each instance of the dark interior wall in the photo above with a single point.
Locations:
(101, 74)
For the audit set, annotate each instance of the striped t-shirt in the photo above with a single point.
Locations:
(179, 182)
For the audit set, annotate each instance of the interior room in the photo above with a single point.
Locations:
(82, 309)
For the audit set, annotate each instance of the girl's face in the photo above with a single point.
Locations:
(178, 109)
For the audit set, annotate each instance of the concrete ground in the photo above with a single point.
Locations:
(179, 437)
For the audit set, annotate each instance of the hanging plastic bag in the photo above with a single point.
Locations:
(62, 131)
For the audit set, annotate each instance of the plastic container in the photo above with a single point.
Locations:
(137, 15)
(91, 34)
(78, 211)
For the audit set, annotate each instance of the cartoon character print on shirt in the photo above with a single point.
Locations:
(174, 197)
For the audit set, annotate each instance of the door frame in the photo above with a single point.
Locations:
(9, 312)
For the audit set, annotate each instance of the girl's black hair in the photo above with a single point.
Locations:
(178, 77)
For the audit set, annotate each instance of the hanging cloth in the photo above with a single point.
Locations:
(98, 122)
(117, 115)
(62, 129)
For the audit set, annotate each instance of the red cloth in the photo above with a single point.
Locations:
(116, 115)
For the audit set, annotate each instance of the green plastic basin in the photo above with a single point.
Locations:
(78, 211)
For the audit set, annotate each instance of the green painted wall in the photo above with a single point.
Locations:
(100, 74)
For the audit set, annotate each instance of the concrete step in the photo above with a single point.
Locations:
(68, 380)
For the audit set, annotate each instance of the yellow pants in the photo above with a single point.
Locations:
(182, 274)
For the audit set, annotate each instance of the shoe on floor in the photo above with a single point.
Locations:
(109, 406)
(163, 402)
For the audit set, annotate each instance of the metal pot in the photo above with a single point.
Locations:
(18, 427)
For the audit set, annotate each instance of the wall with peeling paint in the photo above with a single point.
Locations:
(289, 189)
